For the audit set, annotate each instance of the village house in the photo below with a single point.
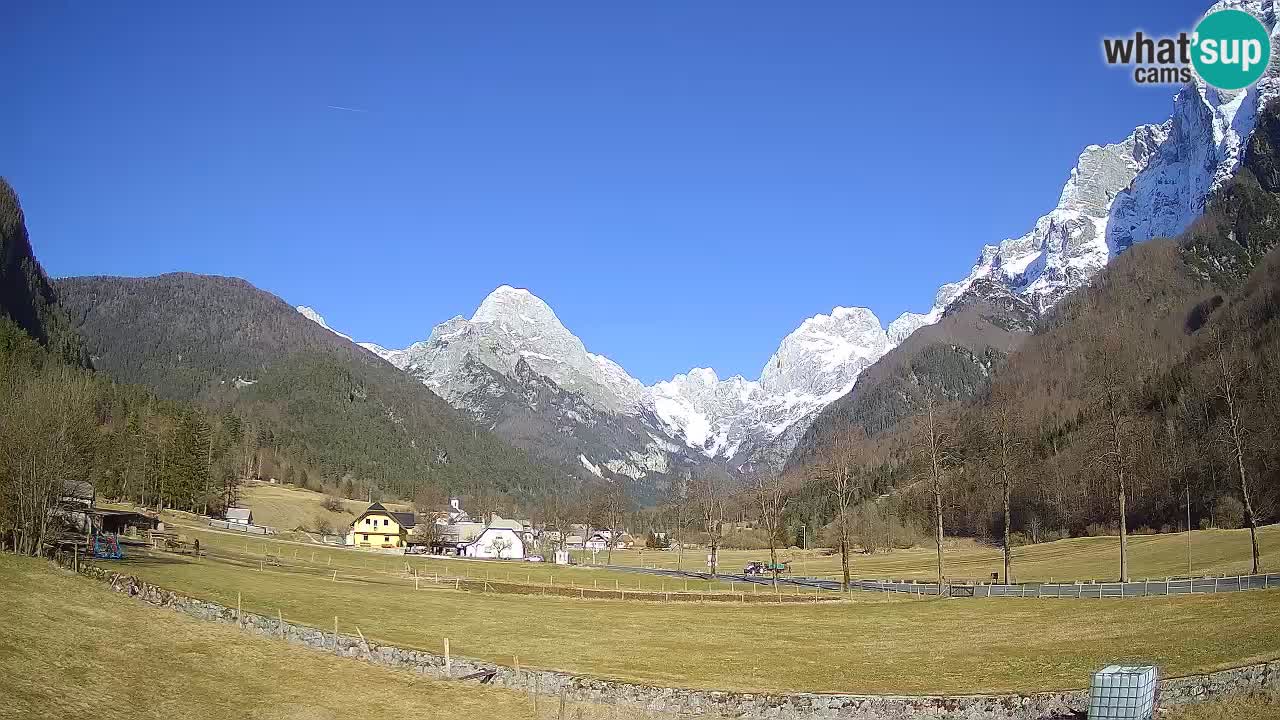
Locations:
(602, 539)
(599, 540)
(499, 538)
(239, 516)
(378, 527)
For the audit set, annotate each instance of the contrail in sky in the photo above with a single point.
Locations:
(347, 109)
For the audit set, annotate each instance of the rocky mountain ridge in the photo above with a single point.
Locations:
(1152, 183)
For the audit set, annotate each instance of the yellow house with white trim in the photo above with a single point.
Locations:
(378, 527)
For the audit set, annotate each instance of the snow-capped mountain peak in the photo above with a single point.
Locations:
(315, 317)
(740, 419)
(514, 359)
(513, 326)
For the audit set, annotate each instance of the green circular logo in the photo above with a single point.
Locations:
(1231, 50)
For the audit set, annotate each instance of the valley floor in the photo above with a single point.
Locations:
(907, 646)
(73, 648)
(1150, 556)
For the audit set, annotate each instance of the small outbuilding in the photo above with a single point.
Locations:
(239, 516)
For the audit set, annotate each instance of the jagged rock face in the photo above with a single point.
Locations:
(516, 368)
(747, 422)
(1067, 246)
(511, 326)
(1208, 133)
(1151, 184)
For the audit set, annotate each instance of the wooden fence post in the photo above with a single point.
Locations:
(280, 618)
(562, 704)
(448, 661)
(335, 634)
(239, 615)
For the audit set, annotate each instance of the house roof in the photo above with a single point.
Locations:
(489, 528)
(239, 513)
(497, 521)
(404, 519)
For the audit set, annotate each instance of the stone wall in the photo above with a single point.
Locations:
(678, 701)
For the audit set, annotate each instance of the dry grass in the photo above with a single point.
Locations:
(285, 507)
(1153, 556)
(951, 646)
(71, 648)
(363, 563)
(1253, 707)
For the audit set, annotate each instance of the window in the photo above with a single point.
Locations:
(386, 521)
(364, 538)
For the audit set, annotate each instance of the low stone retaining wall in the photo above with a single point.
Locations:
(679, 701)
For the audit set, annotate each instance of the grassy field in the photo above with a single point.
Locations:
(1150, 556)
(1153, 556)
(1254, 707)
(71, 648)
(285, 507)
(322, 559)
(907, 646)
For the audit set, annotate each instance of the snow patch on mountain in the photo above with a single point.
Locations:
(814, 365)
(315, 317)
(1151, 184)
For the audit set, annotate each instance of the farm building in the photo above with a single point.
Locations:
(499, 538)
(501, 543)
(378, 527)
(239, 516)
(602, 539)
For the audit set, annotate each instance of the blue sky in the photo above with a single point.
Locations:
(683, 182)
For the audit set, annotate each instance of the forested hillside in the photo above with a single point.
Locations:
(26, 296)
(953, 358)
(324, 405)
(1157, 383)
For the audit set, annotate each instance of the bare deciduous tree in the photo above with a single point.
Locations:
(679, 499)
(1111, 373)
(841, 470)
(615, 505)
(766, 486)
(934, 447)
(1003, 434)
(1235, 432)
(499, 545)
(711, 507)
(47, 430)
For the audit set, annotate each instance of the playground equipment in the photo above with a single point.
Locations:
(106, 547)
